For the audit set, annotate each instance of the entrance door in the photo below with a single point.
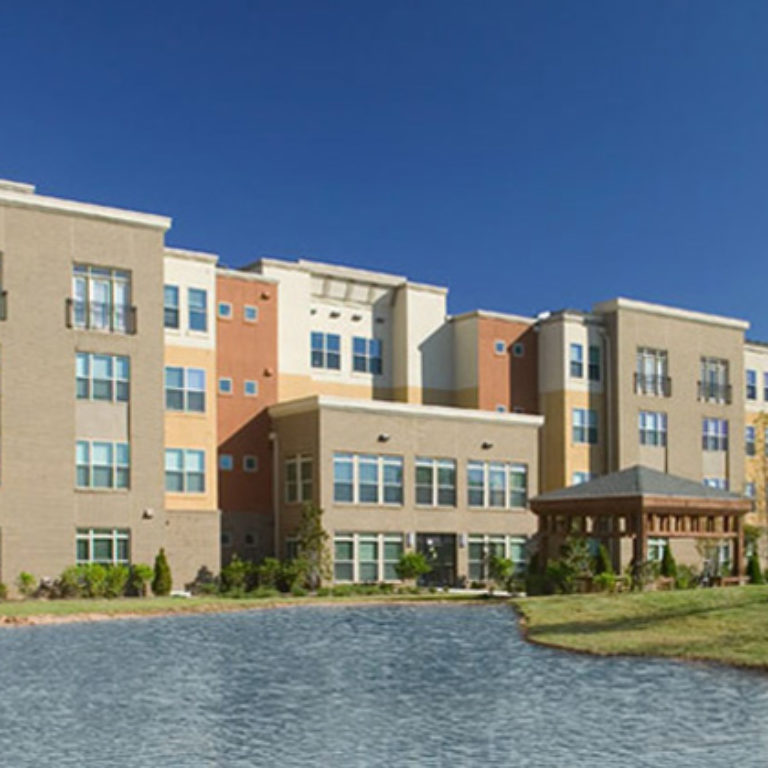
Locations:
(440, 551)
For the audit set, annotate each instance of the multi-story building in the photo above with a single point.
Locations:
(174, 402)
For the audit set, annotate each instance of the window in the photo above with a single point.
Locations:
(225, 386)
(751, 385)
(497, 484)
(714, 435)
(749, 490)
(225, 310)
(198, 310)
(366, 557)
(298, 479)
(594, 363)
(106, 546)
(749, 441)
(585, 426)
(226, 462)
(653, 428)
(250, 313)
(501, 409)
(367, 479)
(518, 350)
(184, 470)
(482, 548)
(716, 482)
(713, 385)
(366, 355)
(251, 388)
(326, 350)
(581, 477)
(101, 299)
(651, 376)
(250, 464)
(656, 549)
(171, 306)
(102, 465)
(500, 347)
(765, 386)
(577, 361)
(102, 377)
(185, 389)
(436, 482)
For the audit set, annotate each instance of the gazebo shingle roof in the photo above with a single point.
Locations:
(638, 481)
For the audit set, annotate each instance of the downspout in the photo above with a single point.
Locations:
(275, 491)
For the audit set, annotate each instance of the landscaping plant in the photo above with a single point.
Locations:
(162, 581)
(26, 583)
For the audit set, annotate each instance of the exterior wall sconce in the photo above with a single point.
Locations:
(410, 540)
(148, 514)
(268, 372)
(335, 313)
(383, 437)
(265, 295)
(357, 318)
(462, 540)
(486, 445)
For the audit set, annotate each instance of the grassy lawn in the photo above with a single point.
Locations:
(22, 609)
(728, 625)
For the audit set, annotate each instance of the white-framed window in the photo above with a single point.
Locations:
(325, 350)
(584, 426)
(367, 479)
(576, 361)
(482, 547)
(652, 374)
(102, 464)
(366, 557)
(366, 355)
(721, 483)
(198, 309)
(106, 546)
(653, 428)
(226, 462)
(251, 388)
(714, 434)
(250, 313)
(184, 389)
(102, 377)
(171, 306)
(184, 470)
(101, 299)
(751, 384)
(500, 347)
(713, 385)
(518, 349)
(225, 310)
(298, 478)
(749, 441)
(225, 386)
(656, 547)
(250, 463)
(497, 484)
(435, 482)
(594, 366)
(581, 477)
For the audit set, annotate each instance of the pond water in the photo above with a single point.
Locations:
(369, 686)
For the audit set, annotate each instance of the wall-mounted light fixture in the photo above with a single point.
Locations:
(335, 313)
(486, 445)
(410, 539)
(383, 437)
(357, 318)
(147, 514)
(462, 540)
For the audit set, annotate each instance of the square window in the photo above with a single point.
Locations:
(501, 409)
(518, 350)
(500, 347)
(250, 313)
(225, 310)
(250, 464)
(225, 386)
(251, 388)
(226, 462)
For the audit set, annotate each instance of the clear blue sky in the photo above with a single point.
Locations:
(529, 155)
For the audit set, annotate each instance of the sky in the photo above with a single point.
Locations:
(528, 155)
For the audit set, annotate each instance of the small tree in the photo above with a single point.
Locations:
(162, 581)
(411, 566)
(603, 561)
(312, 541)
(141, 575)
(26, 583)
(500, 570)
(668, 565)
(753, 570)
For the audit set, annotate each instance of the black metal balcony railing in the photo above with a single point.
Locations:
(3, 305)
(653, 384)
(715, 392)
(93, 316)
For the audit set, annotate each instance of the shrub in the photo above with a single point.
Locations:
(26, 583)
(264, 592)
(268, 572)
(138, 580)
(116, 580)
(94, 580)
(295, 573)
(753, 570)
(603, 561)
(412, 565)
(298, 591)
(668, 567)
(604, 582)
(687, 577)
(162, 581)
(342, 590)
(323, 592)
(500, 569)
(3, 591)
(233, 575)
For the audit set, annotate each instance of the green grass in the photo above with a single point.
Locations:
(22, 609)
(728, 625)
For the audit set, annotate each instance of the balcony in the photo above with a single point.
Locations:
(653, 384)
(97, 316)
(715, 392)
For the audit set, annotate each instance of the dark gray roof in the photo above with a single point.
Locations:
(638, 481)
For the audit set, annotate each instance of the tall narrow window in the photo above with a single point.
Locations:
(298, 479)
(652, 376)
(749, 441)
(198, 310)
(577, 361)
(751, 384)
(171, 306)
(101, 299)
(714, 385)
(594, 362)
(584, 425)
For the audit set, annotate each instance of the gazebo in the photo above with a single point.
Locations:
(640, 503)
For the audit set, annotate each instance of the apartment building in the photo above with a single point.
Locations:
(174, 402)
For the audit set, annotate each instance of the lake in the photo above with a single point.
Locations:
(439, 685)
